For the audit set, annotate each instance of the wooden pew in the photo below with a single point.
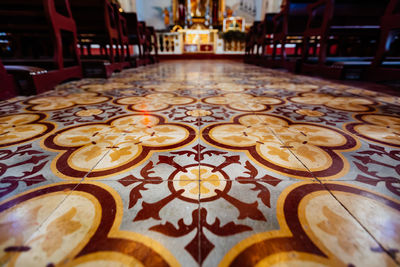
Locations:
(42, 35)
(289, 26)
(147, 42)
(383, 68)
(264, 39)
(30, 79)
(153, 46)
(344, 33)
(99, 37)
(251, 39)
(249, 43)
(8, 88)
(123, 37)
(137, 37)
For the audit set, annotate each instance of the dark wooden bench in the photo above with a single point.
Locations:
(289, 26)
(147, 42)
(264, 39)
(386, 64)
(343, 33)
(137, 37)
(40, 34)
(251, 39)
(99, 37)
(151, 36)
(8, 88)
(123, 36)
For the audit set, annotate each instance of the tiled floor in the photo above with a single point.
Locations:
(209, 163)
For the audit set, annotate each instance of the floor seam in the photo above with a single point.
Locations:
(200, 82)
(393, 257)
(199, 194)
(340, 203)
(55, 209)
(103, 157)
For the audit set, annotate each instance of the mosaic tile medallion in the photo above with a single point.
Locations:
(201, 163)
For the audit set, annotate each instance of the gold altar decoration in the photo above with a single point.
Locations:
(197, 9)
(234, 24)
(199, 40)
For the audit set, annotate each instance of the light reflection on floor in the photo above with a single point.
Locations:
(212, 163)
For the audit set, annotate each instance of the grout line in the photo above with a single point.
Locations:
(159, 76)
(65, 198)
(199, 196)
(61, 202)
(290, 150)
(105, 154)
(393, 257)
(340, 203)
(51, 213)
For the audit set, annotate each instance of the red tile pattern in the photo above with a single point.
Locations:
(200, 163)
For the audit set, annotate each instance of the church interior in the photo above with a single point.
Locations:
(199, 133)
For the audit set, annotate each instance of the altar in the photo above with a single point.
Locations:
(199, 41)
(187, 13)
(201, 27)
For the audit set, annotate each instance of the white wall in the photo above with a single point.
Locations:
(272, 6)
(151, 10)
(128, 5)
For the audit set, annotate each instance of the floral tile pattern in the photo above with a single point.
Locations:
(201, 163)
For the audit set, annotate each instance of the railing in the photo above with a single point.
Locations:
(172, 43)
(169, 43)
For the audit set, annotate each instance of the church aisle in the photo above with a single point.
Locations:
(200, 163)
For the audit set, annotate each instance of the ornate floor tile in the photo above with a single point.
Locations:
(86, 114)
(85, 228)
(23, 166)
(22, 128)
(314, 230)
(49, 103)
(103, 149)
(375, 166)
(248, 207)
(243, 102)
(239, 165)
(361, 202)
(165, 212)
(353, 104)
(378, 128)
(158, 164)
(23, 215)
(319, 148)
(212, 113)
(201, 163)
(313, 114)
(251, 133)
(11, 106)
(170, 87)
(154, 102)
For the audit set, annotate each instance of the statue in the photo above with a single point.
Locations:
(198, 8)
(215, 13)
(284, 4)
(202, 7)
(193, 8)
(166, 17)
(229, 12)
(181, 13)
